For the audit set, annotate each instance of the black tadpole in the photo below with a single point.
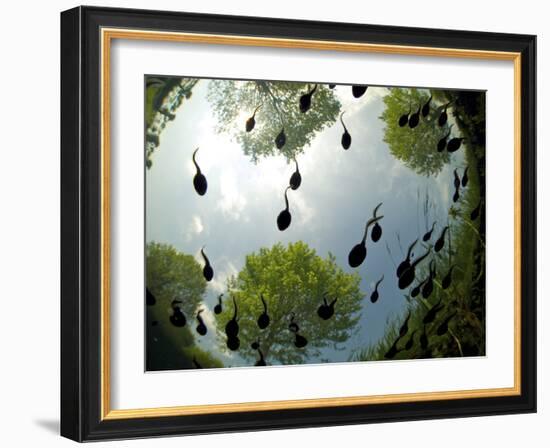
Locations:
(305, 100)
(280, 140)
(251, 122)
(346, 137)
(177, 318)
(232, 327)
(428, 287)
(326, 310)
(441, 240)
(414, 119)
(444, 326)
(475, 212)
(465, 177)
(428, 235)
(406, 263)
(296, 178)
(454, 144)
(263, 320)
(207, 271)
(199, 181)
(442, 120)
(375, 295)
(358, 90)
(408, 275)
(404, 119)
(426, 107)
(432, 313)
(376, 232)
(359, 252)
(446, 282)
(284, 218)
(149, 298)
(201, 327)
(442, 144)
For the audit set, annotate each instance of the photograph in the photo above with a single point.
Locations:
(293, 222)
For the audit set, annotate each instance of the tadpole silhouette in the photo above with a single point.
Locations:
(201, 328)
(207, 271)
(326, 310)
(284, 218)
(331, 86)
(358, 90)
(263, 320)
(280, 140)
(406, 263)
(359, 252)
(432, 313)
(426, 107)
(374, 296)
(376, 232)
(454, 144)
(442, 144)
(305, 100)
(251, 122)
(444, 326)
(346, 137)
(428, 287)
(406, 279)
(296, 178)
(446, 282)
(392, 351)
(416, 290)
(475, 212)
(233, 343)
(218, 308)
(199, 181)
(299, 340)
(410, 341)
(414, 119)
(196, 363)
(405, 327)
(404, 119)
(441, 240)
(465, 177)
(428, 235)
(232, 327)
(456, 195)
(177, 318)
(149, 298)
(442, 120)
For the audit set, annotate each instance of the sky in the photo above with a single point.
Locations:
(338, 193)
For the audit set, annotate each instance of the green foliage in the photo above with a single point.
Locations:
(163, 97)
(292, 279)
(234, 102)
(416, 148)
(464, 248)
(171, 274)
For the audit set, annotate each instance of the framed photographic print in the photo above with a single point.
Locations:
(273, 224)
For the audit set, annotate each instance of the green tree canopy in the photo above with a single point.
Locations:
(291, 279)
(416, 148)
(235, 101)
(172, 274)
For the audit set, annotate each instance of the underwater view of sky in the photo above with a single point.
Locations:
(338, 193)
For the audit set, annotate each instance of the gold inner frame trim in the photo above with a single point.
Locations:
(107, 35)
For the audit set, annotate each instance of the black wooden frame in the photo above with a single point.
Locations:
(81, 223)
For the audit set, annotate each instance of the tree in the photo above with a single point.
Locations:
(417, 147)
(235, 101)
(163, 97)
(172, 274)
(169, 275)
(292, 279)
